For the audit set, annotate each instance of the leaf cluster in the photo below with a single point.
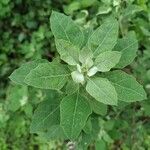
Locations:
(87, 73)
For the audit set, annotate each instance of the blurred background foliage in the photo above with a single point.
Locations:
(25, 35)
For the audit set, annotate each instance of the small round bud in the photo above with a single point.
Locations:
(77, 77)
(92, 71)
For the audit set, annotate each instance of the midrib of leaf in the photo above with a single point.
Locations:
(63, 27)
(103, 39)
(120, 81)
(128, 89)
(54, 76)
(47, 116)
(48, 76)
(54, 131)
(30, 72)
(106, 61)
(129, 46)
(100, 89)
(61, 81)
(74, 114)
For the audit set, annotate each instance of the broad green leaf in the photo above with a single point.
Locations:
(98, 107)
(102, 90)
(74, 111)
(64, 28)
(51, 95)
(128, 46)
(48, 76)
(87, 33)
(19, 74)
(45, 116)
(131, 10)
(107, 60)
(68, 52)
(127, 88)
(86, 56)
(88, 126)
(104, 37)
(53, 133)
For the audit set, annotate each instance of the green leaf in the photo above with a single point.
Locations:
(128, 46)
(48, 76)
(107, 60)
(87, 33)
(74, 111)
(102, 90)
(71, 87)
(86, 56)
(127, 88)
(104, 37)
(64, 28)
(19, 74)
(131, 10)
(98, 108)
(88, 126)
(45, 116)
(68, 52)
(54, 133)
